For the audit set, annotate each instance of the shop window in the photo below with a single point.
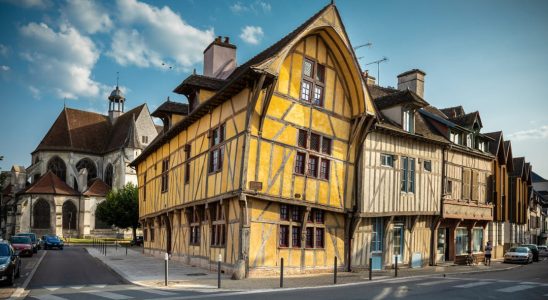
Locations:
(461, 241)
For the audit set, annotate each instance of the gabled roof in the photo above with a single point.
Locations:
(171, 107)
(453, 112)
(97, 187)
(536, 177)
(49, 183)
(495, 147)
(265, 63)
(519, 165)
(199, 81)
(377, 91)
(77, 130)
(398, 98)
(467, 120)
(123, 132)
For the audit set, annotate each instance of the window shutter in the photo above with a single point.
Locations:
(466, 184)
(475, 185)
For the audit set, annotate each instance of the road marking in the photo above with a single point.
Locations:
(156, 292)
(21, 292)
(436, 282)
(404, 280)
(48, 297)
(52, 288)
(76, 287)
(473, 284)
(516, 288)
(385, 292)
(110, 295)
(99, 286)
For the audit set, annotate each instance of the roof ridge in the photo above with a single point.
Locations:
(68, 126)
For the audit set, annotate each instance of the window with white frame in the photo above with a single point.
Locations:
(387, 160)
(454, 137)
(408, 122)
(469, 140)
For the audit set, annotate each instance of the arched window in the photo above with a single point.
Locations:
(69, 215)
(109, 174)
(86, 163)
(58, 167)
(41, 214)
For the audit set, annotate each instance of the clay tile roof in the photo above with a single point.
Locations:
(123, 131)
(171, 107)
(49, 183)
(199, 81)
(97, 187)
(453, 112)
(77, 130)
(400, 97)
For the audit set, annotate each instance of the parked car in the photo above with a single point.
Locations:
(533, 248)
(519, 255)
(138, 241)
(34, 240)
(10, 263)
(542, 250)
(22, 244)
(52, 241)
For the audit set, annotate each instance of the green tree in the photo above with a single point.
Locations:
(121, 208)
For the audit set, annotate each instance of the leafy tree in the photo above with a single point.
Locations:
(121, 208)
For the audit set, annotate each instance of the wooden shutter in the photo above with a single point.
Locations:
(466, 184)
(475, 185)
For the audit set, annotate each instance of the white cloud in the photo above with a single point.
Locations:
(149, 35)
(35, 92)
(252, 34)
(60, 61)
(4, 50)
(4, 68)
(30, 3)
(256, 7)
(531, 134)
(87, 16)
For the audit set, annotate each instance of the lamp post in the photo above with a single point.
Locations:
(70, 221)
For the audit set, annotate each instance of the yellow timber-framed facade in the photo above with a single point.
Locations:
(262, 165)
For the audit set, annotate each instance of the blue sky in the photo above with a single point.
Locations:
(490, 56)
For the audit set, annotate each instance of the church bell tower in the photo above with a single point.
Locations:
(116, 104)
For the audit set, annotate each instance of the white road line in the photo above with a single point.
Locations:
(405, 280)
(52, 288)
(76, 287)
(20, 292)
(157, 292)
(473, 284)
(516, 288)
(48, 297)
(110, 295)
(436, 282)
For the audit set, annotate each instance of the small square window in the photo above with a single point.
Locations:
(319, 237)
(284, 212)
(313, 166)
(300, 163)
(308, 68)
(296, 236)
(145, 139)
(302, 138)
(306, 89)
(428, 165)
(295, 213)
(324, 169)
(387, 160)
(320, 73)
(315, 142)
(319, 216)
(309, 237)
(284, 236)
(318, 96)
(326, 146)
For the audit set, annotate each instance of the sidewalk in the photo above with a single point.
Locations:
(146, 270)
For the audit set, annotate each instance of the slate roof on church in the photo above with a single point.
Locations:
(97, 187)
(89, 132)
(49, 183)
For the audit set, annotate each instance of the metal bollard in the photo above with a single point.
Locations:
(116, 245)
(370, 268)
(219, 271)
(395, 266)
(282, 273)
(335, 272)
(166, 258)
(126, 250)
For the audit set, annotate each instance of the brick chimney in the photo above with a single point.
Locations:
(219, 58)
(412, 80)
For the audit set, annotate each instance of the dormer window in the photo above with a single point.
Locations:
(313, 82)
(408, 121)
(469, 140)
(482, 146)
(454, 137)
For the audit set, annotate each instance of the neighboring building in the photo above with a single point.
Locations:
(402, 176)
(15, 180)
(263, 166)
(540, 192)
(520, 182)
(534, 226)
(80, 158)
(467, 174)
(502, 168)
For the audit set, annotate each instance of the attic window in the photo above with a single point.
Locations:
(481, 146)
(469, 140)
(312, 84)
(454, 137)
(408, 122)
(144, 138)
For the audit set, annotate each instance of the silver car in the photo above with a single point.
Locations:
(518, 255)
(542, 250)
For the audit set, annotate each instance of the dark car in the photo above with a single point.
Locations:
(22, 244)
(33, 239)
(138, 241)
(52, 241)
(534, 249)
(10, 264)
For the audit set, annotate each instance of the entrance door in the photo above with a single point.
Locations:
(398, 242)
(442, 253)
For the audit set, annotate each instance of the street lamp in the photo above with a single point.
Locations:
(70, 221)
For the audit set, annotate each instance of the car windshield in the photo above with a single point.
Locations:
(4, 250)
(52, 239)
(30, 235)
(519, 250)
(20, 240)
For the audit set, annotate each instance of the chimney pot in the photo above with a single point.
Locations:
(227, 40)
(219, 58)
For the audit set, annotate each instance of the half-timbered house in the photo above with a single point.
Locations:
(402, 175)
(262, 166)
(520, 181)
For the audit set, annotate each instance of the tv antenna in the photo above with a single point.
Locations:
(378, 62)
(368, 45)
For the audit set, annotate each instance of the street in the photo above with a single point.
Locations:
(74, 274)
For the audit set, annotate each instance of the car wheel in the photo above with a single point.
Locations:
(18, 274)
